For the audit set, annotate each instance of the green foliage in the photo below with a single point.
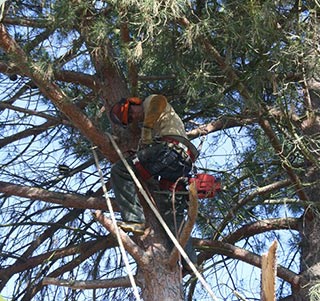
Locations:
(314, 292)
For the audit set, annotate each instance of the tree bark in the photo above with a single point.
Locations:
(160, 282)
(310, 240)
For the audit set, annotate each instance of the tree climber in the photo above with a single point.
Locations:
(164, 153)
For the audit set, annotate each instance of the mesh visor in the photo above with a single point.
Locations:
(119, 113)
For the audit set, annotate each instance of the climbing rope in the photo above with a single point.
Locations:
(160, 219)
(114, 222)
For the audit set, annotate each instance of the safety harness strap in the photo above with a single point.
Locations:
(184, 144)
(144, 174)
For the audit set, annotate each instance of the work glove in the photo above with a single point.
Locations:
(143, 145)
(146, 135)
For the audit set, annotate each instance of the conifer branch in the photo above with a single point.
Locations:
(88, 284)
(259, 191)
(136, 252)
(66, 199)
(232, 251)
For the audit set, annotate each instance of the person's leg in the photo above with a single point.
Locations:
(125, 194)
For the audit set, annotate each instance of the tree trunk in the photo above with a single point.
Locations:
(310, 240)
(160, 281)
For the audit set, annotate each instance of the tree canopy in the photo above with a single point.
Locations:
(243, 76)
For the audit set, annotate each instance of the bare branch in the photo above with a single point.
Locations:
(220, 124)
(136, 252)
(5, 105)
(259, 191)
(27, 22)
(91, 246)
(36, 130)
(263, 226)
(229, 250)
(65, 199)
(88, 284)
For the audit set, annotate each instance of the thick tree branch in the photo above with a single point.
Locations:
(87, 80)
(136, 252)
(231, 251)
(103, 58)
(226, 122)
(132, 68)
(65, 199)
(55, 94)
(220, 124)
(263, 226)
(27, 22)
(90, 81)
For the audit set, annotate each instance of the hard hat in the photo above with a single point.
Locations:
(119, 113)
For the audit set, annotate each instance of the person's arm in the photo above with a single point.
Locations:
(155, 108)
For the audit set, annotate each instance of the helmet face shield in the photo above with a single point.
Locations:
(119, 113)
(116, 114)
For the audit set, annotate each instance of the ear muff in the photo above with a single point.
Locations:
(119, 113)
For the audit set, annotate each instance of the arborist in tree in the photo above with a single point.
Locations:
(164, 154)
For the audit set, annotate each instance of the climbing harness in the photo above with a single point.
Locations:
(182, 146)
(144, 174)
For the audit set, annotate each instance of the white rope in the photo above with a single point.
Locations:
(122, 249)
(162, 222)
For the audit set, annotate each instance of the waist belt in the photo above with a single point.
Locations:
(183, 144)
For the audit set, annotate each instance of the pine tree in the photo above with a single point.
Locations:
(243, 75)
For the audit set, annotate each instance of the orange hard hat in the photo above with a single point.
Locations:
(119, 113)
